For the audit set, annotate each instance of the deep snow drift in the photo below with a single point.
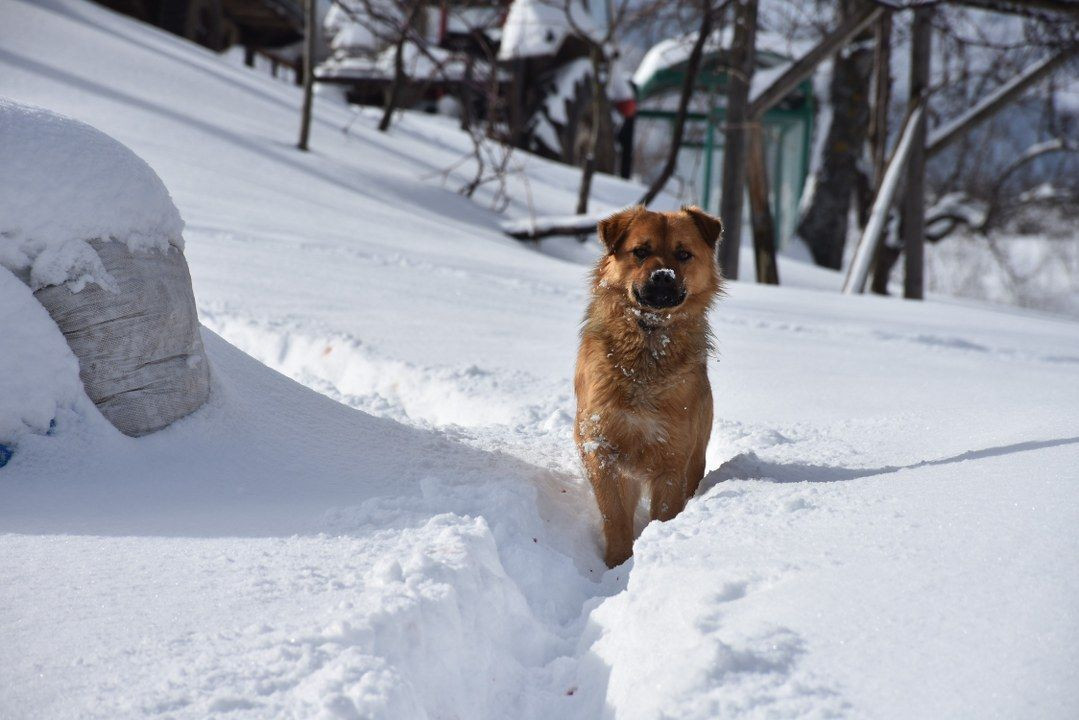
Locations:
(888, 528)
(57, 179)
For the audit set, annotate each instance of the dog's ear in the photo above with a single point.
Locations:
(613, 229)
(709, 226)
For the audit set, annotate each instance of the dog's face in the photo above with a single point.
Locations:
(660, 261)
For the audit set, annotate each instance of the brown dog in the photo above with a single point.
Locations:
(644, 405)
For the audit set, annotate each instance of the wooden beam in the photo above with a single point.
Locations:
(804, 66)
(913, 213)
(950, 132)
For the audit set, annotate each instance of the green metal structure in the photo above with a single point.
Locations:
(787, 128)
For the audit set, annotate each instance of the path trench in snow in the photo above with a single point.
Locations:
(545, 528)
(736, 661)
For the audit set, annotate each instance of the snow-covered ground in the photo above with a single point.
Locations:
(889, 526)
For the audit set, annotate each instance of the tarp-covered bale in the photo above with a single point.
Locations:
(92, 230)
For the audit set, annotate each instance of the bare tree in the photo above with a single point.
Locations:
(708, 11)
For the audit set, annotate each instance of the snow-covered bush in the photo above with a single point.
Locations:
(92, 230)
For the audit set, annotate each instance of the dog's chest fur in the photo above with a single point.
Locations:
(638, 380)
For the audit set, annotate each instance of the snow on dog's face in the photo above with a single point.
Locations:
(660, 262)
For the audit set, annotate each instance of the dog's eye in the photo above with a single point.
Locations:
(682, 255)
(641, 253)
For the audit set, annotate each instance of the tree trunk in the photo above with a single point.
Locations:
(308, 75)
(466, 93)
(393, 97)
(743, 62)
(397, 86)
(693, 67)
(823, 227)
(914, 194)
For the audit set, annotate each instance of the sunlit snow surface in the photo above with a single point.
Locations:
(888, 527)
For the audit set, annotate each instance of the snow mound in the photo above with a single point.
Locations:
(63, 183)
(38, 373)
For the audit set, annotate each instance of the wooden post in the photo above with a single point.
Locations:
(249, 56)
(878, 138)
(882, 91)
(913, 223)
(764, 233)
(743, 60)
(308, 74)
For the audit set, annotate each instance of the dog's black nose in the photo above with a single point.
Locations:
(662, 278)
(662, 290)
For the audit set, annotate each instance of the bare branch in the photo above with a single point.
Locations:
(804, 66)
(944, 136)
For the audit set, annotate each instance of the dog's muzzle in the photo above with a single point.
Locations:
(662, 290)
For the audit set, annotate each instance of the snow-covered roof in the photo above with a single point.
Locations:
(353, 37)
(772, 48)
(62, 183)
(435, 64)
(538, 27)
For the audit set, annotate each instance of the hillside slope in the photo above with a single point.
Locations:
(887, 528)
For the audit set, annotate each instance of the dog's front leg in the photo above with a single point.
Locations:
(616, 496)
